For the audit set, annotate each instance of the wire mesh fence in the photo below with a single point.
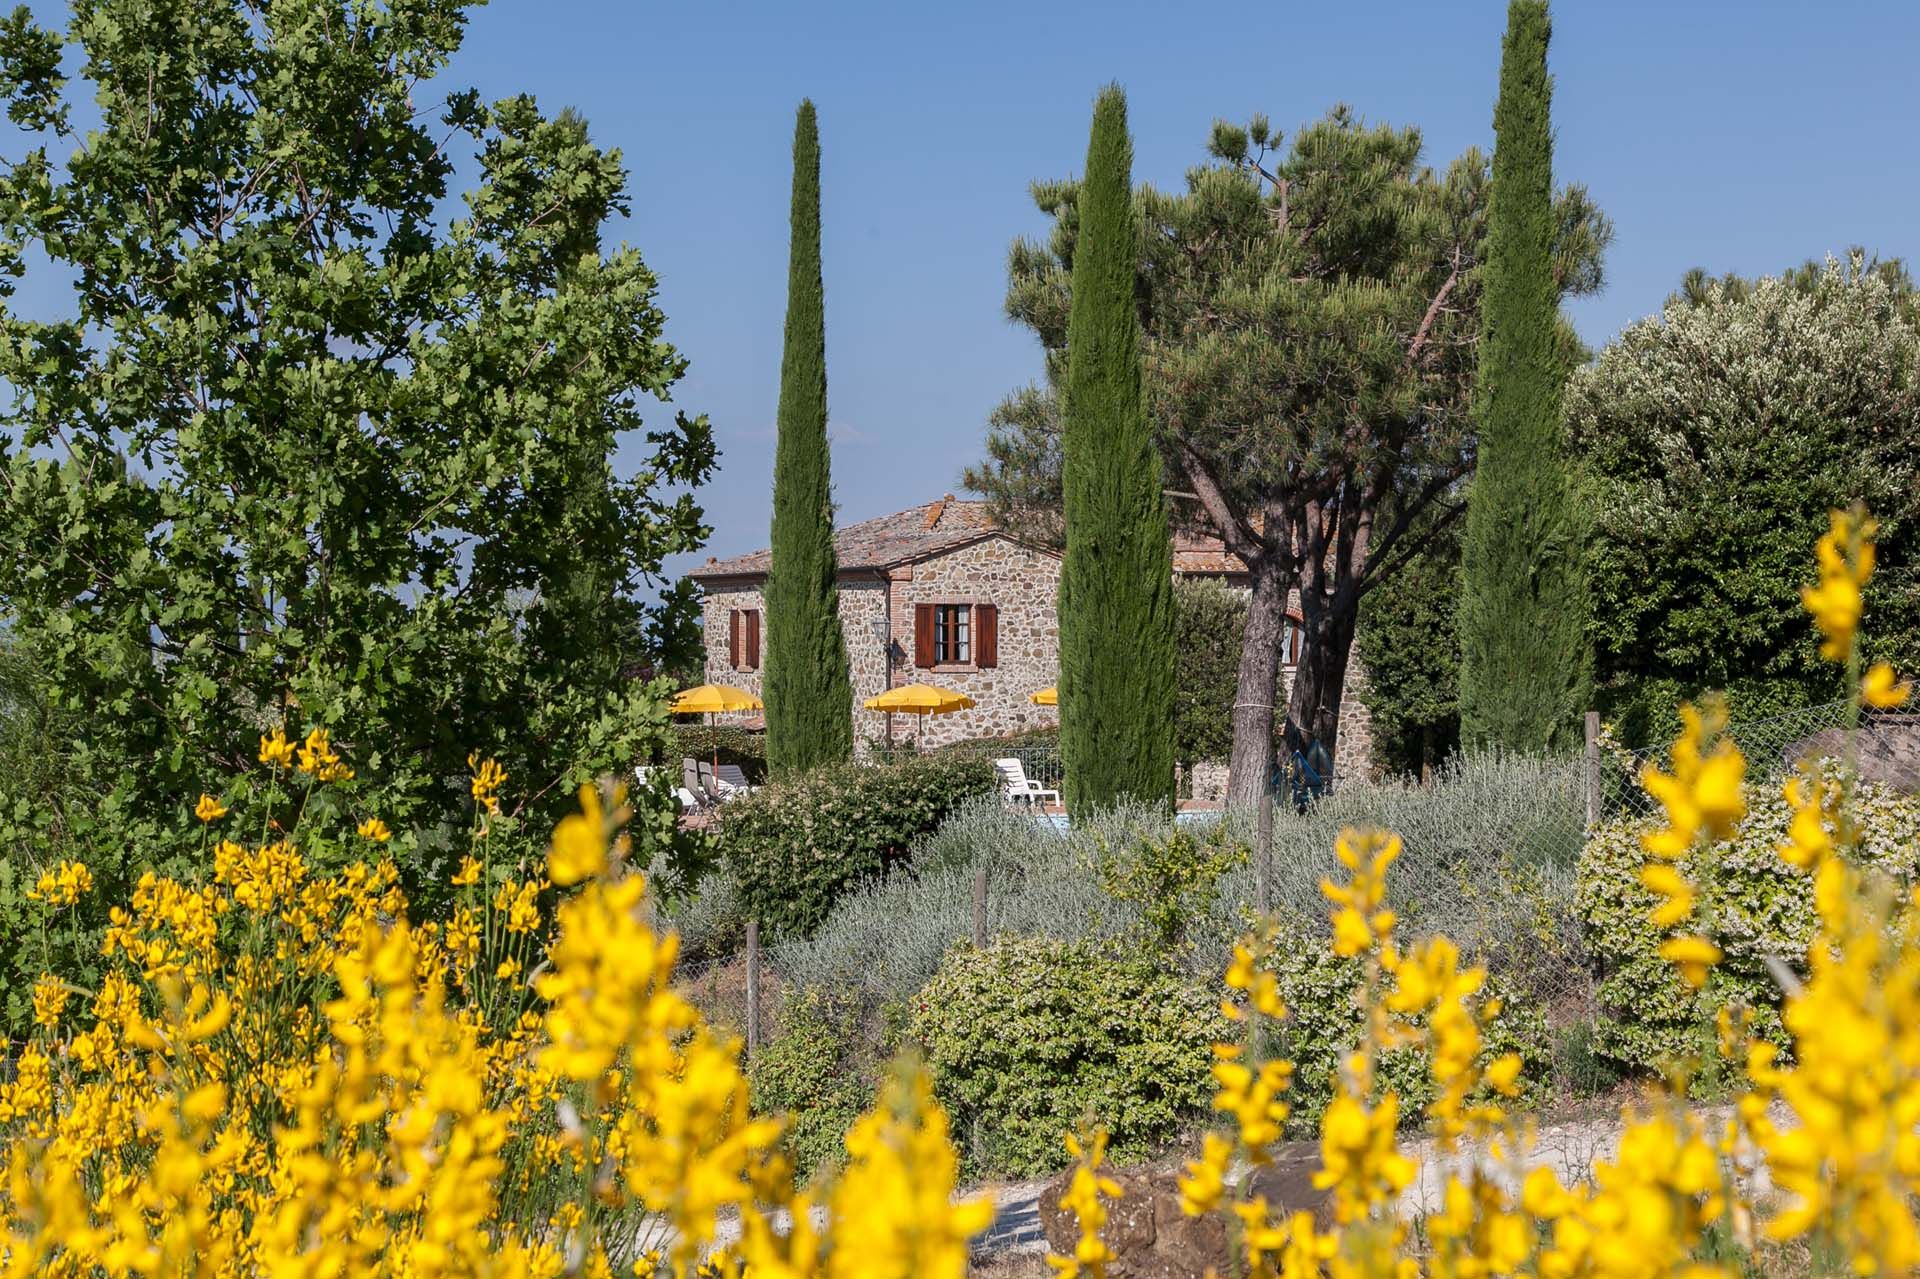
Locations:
(1773, 745)
(1492, 848)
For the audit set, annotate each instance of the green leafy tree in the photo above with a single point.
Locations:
(1309, 320)
(1209, 619)
(1116, 580)
(1409, 642)
(309, 444)
(808, 691)
(1525, 662)
(1716, 437)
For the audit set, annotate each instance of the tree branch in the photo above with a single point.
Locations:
(1236, 534)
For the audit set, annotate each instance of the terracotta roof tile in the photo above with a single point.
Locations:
(1204, 554)
(945, 525)
(885, 542)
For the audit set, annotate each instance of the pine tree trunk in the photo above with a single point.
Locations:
(1319, 683)
(1257, 692)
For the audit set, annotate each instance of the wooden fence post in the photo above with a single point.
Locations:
(753, 986)
(1593, 768)
(980, 906)
(1263, 852)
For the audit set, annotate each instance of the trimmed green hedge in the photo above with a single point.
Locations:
(1755, 905)
(1030, 1035)
(794, 847)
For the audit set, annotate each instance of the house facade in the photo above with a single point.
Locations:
(937, 594)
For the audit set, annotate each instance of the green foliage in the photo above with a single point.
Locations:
(794, 847)
(1310, 321)
(815, 1072)
(1757, 907)
(1209, 618)
(312, 441)
(805, 683)
(1325, 1020)
(1169, 877)
(1030, 1036)
(1578, 1064)
(1116, 580)
(1409, 642)
(1525, 658)
(1717, 436)
(732, 743)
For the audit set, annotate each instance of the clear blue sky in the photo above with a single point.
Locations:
(1734, 136)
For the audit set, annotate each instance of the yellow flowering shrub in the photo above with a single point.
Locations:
(281, 1074)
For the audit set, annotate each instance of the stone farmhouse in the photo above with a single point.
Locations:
(937, 594)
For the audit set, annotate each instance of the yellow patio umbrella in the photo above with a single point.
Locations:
(1048, 696)
(917, 699)
(711, 700)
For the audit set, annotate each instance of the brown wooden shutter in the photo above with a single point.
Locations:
(986, 635)
(923, 635)
(733, 638)
(753, 639)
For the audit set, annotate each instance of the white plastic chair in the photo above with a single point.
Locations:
(1018, 786)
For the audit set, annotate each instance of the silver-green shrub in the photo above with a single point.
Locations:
(1031, 1035)
(1757, 907)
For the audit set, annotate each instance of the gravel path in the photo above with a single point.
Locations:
(1571, 1148)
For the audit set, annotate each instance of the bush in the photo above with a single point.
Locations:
(1326, 1019)
(1490, 850)
(815, 1071)
(1209, 619)
(1757, 907)
(796, 846)
(1030, 1036)
(1169, 877)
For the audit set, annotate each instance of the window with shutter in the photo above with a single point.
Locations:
(923, 650)
(733, 638)
(753, 639)
(986, 635)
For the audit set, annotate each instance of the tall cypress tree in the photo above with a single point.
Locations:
(806, 687)
(1525, 661)
(1116, 583)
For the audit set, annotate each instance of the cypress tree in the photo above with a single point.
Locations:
(805, 684)
(1116, 582)
(1525, 661)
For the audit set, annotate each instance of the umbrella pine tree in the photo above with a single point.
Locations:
(806, 685)
(1116, 581)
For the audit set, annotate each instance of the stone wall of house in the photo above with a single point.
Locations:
(1209, 780)
(717, 607)
(1022, 584)
(862, 604)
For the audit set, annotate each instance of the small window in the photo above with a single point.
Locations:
(1290, 641)
(743, 639)
(956, 635)
(952, 633)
